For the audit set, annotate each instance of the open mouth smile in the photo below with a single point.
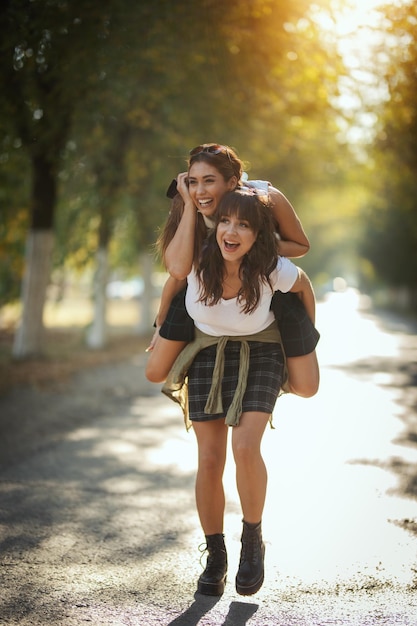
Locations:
(205, 204)
(230, 246)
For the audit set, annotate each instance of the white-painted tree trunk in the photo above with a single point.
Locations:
(28, 340)
(146, 318)
(97, 332)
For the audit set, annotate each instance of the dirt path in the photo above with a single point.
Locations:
(42, 399)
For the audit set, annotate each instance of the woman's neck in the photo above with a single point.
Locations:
(232, 282)
(232, 269)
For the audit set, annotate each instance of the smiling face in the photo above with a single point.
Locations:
(235, 237)
(207, 186)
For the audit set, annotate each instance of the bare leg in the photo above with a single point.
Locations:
(304, 374)
(210, 499)
(162, 358)
(251, 474)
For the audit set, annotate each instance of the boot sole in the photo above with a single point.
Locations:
(250, 590)
(211, 589)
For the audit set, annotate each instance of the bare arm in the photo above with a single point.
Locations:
(294, 242)
(304, 289)
(180, 251)
(170, 289)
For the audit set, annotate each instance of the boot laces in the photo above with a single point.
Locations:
(250, 549)
(211, 561)
(203, 548)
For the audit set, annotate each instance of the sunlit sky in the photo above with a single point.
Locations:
(354, 27)
(356, 13)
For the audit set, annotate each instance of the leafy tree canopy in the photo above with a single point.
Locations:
(390, 241)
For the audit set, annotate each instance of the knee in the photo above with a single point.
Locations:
(304, 375)
(306, 389)
(211, 464)
(154, 373)
(245, 454)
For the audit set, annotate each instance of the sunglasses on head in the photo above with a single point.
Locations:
(214, 148)
(210, 149)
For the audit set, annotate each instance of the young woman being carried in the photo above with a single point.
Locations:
(213, 170)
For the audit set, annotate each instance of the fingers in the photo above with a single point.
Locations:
(181, 178)
(182, 186)
(153, 340)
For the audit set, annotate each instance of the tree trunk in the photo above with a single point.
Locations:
(97, 332)
(29, 336)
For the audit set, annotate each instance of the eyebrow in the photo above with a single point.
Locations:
(205, 176)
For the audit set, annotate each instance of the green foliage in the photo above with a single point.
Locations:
(13, 229)
(390, 241)
(43, 54)
(177, 74)
(14, 216)
(114, 94)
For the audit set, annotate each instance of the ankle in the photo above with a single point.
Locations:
(252, 525)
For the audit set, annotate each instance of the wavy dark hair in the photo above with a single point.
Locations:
(257, 265)
(170, 228)
(223, 158)
(228, 164)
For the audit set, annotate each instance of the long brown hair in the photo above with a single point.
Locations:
(228, 164)
(256, 266)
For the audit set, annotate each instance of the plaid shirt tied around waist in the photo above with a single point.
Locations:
(176, 384)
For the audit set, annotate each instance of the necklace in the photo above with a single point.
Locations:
(231, 287)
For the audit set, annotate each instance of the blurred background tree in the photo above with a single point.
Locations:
(47, 58)
(101, 105)
(389, 239)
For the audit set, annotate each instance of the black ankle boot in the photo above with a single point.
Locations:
(212, 580)
(250, 576)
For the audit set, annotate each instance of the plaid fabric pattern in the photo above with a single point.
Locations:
(298, 334)
(178, 325)
(266, 369)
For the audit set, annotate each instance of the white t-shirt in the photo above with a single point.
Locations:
(226, 317)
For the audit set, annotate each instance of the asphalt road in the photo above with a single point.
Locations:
(97, 514)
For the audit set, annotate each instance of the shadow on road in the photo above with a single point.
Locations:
(238, 615)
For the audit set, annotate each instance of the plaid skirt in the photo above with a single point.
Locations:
(266, 370)
(178, 325)
(298, 334)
